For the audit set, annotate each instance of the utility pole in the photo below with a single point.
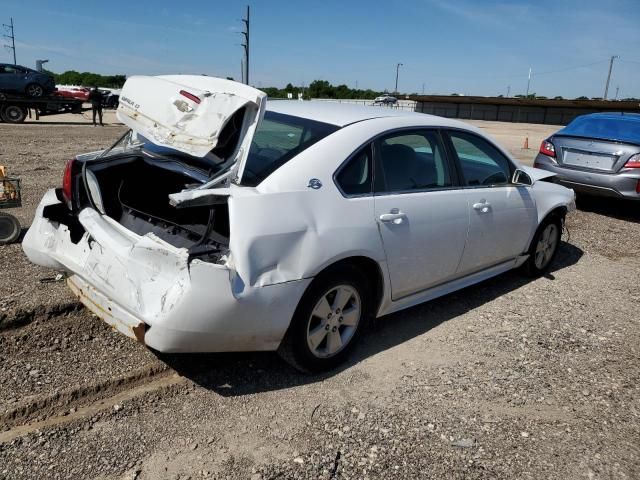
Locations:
(246, 47)
(606, 87)
(397, 71)
(12, 38)
(508, 90)
(617, 90)
(528, 84)
(422, 88)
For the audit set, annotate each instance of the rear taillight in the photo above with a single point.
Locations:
(547, 148)
(66, 181)
(633, 162)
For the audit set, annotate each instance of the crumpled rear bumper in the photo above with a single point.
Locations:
(149, 290)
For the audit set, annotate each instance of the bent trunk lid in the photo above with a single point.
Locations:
(192, 114)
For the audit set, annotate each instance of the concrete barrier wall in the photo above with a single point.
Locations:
(505, 113)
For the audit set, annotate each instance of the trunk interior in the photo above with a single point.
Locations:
(134, 189)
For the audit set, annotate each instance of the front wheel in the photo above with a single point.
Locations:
(14, 114)
(544, 247)
(328, 321)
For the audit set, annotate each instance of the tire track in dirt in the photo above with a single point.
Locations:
(57, 418)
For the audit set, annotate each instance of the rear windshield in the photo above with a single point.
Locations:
(277, 140)
(605, 128)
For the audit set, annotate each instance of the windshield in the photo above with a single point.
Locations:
(619, 127)
(277, 140)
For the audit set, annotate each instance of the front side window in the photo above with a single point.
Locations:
(482, 164)
(412, 161)
(277, 140)
(356, 177)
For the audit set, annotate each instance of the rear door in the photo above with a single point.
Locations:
(421, 211)
(503, 216)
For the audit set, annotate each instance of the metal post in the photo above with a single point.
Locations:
(397, 71)
(528, 84)
(246, 47)
(617, 90)
(422, 88)
(12, 37)
(508, 91)
(606, 87)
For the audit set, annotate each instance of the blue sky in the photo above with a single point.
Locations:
(473, 47)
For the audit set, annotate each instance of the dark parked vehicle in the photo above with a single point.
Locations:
(26, 81)
(597, 153)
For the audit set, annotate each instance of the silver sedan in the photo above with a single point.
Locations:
(597, 153)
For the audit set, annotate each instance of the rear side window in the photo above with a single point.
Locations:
(482, 164)
(356, 177)
(277, 140)
(411, 161)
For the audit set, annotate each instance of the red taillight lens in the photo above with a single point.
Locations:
(66, 181)
(633, 162)
(547, 148)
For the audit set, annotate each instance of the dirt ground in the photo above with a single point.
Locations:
(508, 379)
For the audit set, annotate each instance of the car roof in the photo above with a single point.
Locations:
(342, 114)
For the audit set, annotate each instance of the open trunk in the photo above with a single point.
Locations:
(134, 190)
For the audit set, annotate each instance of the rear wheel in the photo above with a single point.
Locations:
(9, 228)
(544, 247)
(328, 321)
(34, 90)
(13, 114)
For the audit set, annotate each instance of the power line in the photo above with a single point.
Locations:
(12, 38)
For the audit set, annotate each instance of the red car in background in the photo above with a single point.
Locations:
(79, 93)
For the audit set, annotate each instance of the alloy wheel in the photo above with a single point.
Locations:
(333, 321)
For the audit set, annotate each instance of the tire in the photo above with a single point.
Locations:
(14, 114)
(34, 90)
(544, 247)
(326, 295)
(9, 228)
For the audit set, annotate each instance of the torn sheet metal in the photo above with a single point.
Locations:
(188, 112)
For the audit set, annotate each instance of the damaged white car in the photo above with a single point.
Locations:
(219, 223)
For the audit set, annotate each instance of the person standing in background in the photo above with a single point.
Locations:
(95, 97)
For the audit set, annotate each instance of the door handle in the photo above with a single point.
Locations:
(482, 206)
(395, 216)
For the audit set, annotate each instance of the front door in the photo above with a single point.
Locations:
(422, 215)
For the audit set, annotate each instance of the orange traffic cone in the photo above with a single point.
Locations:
(526, 143)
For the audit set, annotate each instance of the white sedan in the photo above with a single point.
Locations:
(220, 224)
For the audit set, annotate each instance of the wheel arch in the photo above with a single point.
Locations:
(371, 269)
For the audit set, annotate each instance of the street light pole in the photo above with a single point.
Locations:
(528, 84)
(397, 71)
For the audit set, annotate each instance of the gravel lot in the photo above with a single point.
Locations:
(508, 379)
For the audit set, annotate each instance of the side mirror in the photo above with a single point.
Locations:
(520, 177)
